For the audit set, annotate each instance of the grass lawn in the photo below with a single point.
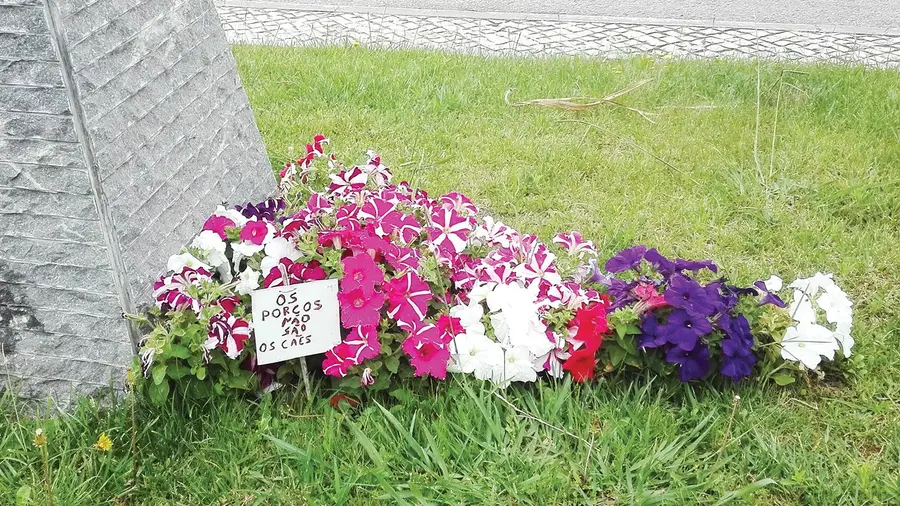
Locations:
(820, 192)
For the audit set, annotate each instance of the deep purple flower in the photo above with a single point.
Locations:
(596, 275)
(694, 265)
(628, 258)
(685, 293)
(662, 264)
(684, 329)
(737, 347)
(769, 297)
(651, 333)
(265, 210)
(693, 364)
(621, 292)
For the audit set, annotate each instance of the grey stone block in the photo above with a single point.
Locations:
(122, 125)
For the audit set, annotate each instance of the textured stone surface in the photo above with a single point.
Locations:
(265, 22)
(141, 96)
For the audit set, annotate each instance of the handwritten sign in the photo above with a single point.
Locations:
(295, 321)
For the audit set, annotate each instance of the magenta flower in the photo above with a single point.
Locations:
(218, 224)
(459, 203)
(227, 333)
(347, 217)
(359, 308)
(338, 360)
(379, 173)
(539, 266)
(427, 354)
(402, 258)
(649, 296)
(408, 298)
(172, 292)
(360, 271)
(347, 182)
(449, 231)
(375, 209)
(255, 232)
(318, 205)
(288, 272)
(365, 343)
(575, 245)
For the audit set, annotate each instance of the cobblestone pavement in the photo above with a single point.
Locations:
(253, 22)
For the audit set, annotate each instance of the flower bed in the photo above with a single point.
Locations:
(430, 286)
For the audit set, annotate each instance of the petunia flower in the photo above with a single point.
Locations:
(693, 364)
(248, 281)
(628, 258)
(408, 298)
(575, 245)
(427, 354)
(228, 333)
(277, 249)
(359, 308)
(174, 292)
(257, 232)
(177, 263)
(338, 360)
(360, 271)
(449, 231)
(263, 211)
(364, 343)
(217, 224)
(684, 329)
(807, 343)
(687, 294)
(581, 365)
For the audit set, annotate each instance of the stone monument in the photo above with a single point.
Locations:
(123, 124)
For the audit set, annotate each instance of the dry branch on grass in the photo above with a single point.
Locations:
(584, 103)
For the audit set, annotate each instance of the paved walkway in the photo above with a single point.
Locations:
(536, 34)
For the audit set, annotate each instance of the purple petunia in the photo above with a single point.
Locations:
(769, 297)
(685, 293)
(628, 258)
(695, 265)
(692, 364)
(684, 329)
(737, 347)
(651, 335)
(265, 210)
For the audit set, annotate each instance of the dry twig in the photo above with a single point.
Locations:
(584, 103)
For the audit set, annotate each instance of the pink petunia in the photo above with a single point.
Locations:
(650, 297)
(402, 258)
(338, 360)
(347, 216)
(459, 203)
(449, 231)
(404, 226)
(348, 182)
(288, 272)
(449, 327)
(575, 244)
(408, 298)
(360, 309)
(218, 224)
(427, 354)
(360, 271)
(173, 292)
(228, 333)
(255, 232)
(365, 343)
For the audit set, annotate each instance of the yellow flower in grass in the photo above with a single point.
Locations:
(40, 439)
(103, 444)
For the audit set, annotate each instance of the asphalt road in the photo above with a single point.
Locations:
(867, 14)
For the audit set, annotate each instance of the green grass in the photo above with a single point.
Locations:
(827, 198)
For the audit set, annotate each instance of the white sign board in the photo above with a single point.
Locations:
(295, 321)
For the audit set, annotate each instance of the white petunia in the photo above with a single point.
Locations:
(469, 317)
(248, 281)
(212, 246)
(807, 343)
(471, 351)
(774, 284)
(177, 263)
(277, 249)
(801, 308)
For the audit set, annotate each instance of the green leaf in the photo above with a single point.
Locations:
(179, 351)
(784, 379)
(158, 373)
(617, 355)
(200, 373)
(177, 371)
(158, 392)
(24, 496)
(392, 363)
